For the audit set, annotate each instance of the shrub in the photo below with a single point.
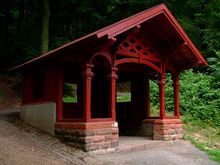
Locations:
(199, 98)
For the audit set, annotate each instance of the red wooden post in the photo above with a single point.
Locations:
(175, 78)
(112, 93)
(162, 84)
(60, 94)
(87, 82)
(148, 97)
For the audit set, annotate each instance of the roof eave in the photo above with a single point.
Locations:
(122, 26)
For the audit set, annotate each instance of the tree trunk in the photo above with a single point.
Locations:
(7, 20)
(45, 14)
(20, 19)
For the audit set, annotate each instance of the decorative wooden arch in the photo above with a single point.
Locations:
(105, 54)
(136, 49)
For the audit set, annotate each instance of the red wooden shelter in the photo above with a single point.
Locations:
(145, 46)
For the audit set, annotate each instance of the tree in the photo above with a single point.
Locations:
(44, 36)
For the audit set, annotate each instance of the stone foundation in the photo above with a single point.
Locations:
(88, 136)
(166, 129)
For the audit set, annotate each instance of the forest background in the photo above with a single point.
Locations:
(29, 28)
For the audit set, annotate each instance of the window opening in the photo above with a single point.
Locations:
(70, 93)
(154, 99)
(124, 92)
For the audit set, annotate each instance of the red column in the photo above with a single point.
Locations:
(112, 93)
(148, 96)
(60, 94)
(175, 78)
(87, 82)
(162, 83)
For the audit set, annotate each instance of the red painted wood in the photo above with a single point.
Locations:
(135, 60)
(148, 97)
(26, 89)
(152, 58)
(153, 66)
(175, 78)
(71, 120)
(87, 81)
(162, 84)
(100, 119)
(141, 51)
(59, 94)
(126, 60)
(49, 86)
(104, 53)
(112, 91)
(137, 46)
(130, 22)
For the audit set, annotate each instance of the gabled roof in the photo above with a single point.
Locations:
(159, 14)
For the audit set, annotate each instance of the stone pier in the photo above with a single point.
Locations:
(165, 129)
(89, 136)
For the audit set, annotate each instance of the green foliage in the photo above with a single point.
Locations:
(69, 99)
(154, 95)
(215, 155)
(69, 93)
(169, 94)
(125, 97)
(199, 99)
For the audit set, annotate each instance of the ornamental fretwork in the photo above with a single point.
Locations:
(136, 47)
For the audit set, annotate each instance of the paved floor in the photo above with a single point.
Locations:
(134, 140)
(157, 153)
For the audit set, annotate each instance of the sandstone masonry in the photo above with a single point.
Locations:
(166, 129)
(88, 136)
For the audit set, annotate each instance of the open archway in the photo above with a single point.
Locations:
(137, 61)
(133, 86)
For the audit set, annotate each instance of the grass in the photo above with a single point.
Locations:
(155, 110)
(69, 99)
(123, 97)
(204, 137)
(214, 154)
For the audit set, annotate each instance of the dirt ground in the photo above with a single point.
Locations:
(21, 144)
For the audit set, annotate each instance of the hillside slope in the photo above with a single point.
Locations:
(10, 87)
